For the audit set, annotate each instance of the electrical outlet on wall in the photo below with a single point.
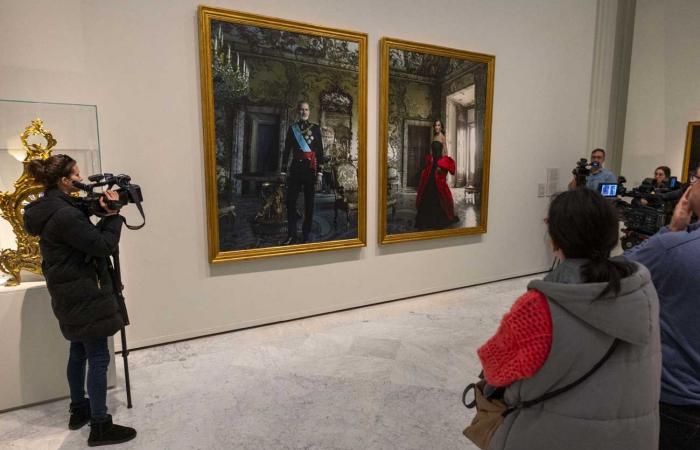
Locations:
(540, 189)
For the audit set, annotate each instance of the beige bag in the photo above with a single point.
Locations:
(491, 412)
(489, 415)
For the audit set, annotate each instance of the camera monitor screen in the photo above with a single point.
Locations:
(608, 189)
(673, 183)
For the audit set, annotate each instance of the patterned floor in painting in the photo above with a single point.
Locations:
(403, 220)
(382, 377)
(323, 229)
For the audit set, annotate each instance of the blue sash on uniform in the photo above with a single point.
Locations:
(303, 145)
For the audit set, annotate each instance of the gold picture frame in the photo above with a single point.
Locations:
(691, 158)
(420, 83)
(256, 73)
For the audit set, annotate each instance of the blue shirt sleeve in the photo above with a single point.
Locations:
(650, 252)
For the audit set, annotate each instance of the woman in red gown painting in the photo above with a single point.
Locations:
(434, 200)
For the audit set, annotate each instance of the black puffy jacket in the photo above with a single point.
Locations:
(76, 264)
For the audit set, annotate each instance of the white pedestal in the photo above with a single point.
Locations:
(33, 352)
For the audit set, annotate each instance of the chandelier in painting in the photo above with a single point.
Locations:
(229, 67)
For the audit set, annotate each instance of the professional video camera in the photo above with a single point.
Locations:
(582, 170)
(642, 219)
(128, 193)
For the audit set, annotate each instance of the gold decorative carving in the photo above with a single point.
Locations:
(272, 210)
(27, 256)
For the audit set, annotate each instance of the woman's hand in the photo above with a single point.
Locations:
(112, 196)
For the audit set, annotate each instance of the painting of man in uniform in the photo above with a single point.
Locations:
(435, 161)
(287, 140)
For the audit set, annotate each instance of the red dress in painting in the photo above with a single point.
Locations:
(434, 200)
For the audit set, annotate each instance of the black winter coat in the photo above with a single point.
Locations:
(75, 263)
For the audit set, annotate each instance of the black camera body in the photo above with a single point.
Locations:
(642, 221)
(582, 170)
(128, 192)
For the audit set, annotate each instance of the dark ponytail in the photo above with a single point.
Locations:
(584, 225)
(48, 172)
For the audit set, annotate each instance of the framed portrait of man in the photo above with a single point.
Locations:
(435, 139)
(284, 114)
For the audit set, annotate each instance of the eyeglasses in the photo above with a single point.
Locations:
(693, 178)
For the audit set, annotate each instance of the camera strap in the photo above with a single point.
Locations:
(137, 227)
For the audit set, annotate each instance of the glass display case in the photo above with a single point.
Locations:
(74, 128)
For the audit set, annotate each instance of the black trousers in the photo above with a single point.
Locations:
(295, 185)
(680, 427)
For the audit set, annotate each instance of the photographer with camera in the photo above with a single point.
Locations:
(75, 262)
(595, 176)
(676, 194)
(672, 256)
(662, 177)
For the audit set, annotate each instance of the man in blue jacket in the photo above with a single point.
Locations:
(673, 257)
(599, 174)
(305, 146)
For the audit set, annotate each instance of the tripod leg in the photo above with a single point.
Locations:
(125, 356)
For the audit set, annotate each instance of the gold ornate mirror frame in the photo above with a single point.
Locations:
(27, 256)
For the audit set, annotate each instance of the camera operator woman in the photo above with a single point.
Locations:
(577, 357)
(662, 176)
(75, 256)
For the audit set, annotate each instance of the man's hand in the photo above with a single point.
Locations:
(111, 195)
(681, 214)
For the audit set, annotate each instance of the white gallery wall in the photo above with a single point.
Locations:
(664, 90)
(138, 62)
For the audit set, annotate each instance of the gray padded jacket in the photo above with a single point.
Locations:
(616, 408)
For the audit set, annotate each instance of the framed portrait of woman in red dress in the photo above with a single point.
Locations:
(435, 134)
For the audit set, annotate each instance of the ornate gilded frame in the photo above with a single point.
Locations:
(206, 15)
(689, 149)
(386, 45)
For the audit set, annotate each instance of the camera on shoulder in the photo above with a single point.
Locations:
(582, 170)
(127, 191)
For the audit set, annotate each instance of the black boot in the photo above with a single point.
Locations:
(79, 414)
(105, 432)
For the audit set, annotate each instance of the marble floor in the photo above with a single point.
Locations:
(381, 377)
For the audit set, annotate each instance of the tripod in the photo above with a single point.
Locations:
(116, 274)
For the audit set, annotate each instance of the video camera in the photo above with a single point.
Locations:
(643, 219)
(128, 193)
(582, 170)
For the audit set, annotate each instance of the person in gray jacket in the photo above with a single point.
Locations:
(592, 320)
